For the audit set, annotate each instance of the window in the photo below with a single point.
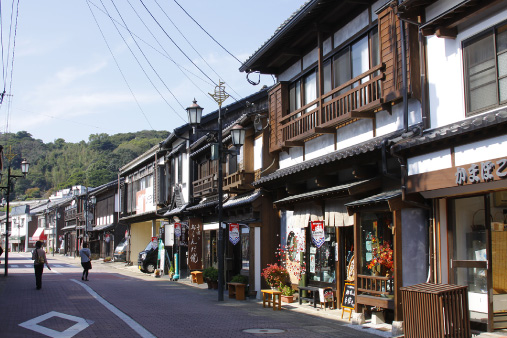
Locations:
(180, 168)
(295, 96)
(485, 59)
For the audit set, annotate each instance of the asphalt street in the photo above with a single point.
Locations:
(119, 301)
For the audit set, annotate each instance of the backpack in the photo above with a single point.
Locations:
(38, 259)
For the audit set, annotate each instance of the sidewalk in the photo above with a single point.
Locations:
(382, 330)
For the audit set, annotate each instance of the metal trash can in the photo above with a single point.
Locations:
(435, 311)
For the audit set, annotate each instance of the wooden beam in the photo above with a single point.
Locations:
(294, 189)
(324, 181)
(449, 33)
(291, 144)
(324, 130)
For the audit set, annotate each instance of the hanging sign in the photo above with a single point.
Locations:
(177, 230)
(234, 233)
(318, 236)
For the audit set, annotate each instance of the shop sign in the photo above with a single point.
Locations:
(177, 230)
(195, 244)
(486, 171)
(349, 296)
(234, 233)
(318, 235)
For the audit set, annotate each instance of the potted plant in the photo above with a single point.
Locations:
(171, 272)
(275, 275)
(210, 275)
(287, 293)
(382, 257)
(239, 289)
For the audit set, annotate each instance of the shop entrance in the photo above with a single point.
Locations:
(478, 249)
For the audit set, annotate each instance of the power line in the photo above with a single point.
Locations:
(190, 44)
(149, 63)
(218, 43)
(117, 65)
(166, 55)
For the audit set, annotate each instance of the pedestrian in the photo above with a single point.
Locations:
(1, 251)
(85, 260)
(39, 259)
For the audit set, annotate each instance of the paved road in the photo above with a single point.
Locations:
(126, 303)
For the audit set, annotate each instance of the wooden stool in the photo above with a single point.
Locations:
(197, 277)
(270, 295)
(237, 290)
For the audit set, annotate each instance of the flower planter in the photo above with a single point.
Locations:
(287, 299)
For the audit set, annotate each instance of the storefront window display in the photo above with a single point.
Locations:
(321, 256)
(376, 238)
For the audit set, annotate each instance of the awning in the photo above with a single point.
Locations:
(39, 235)
(103, 227)
(69, 228)
(382, 199)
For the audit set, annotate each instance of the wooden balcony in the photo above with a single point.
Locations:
(205, 186)
(375, 291)
(363, 98)
(238, 182)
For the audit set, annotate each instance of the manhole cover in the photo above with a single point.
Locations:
(265, 331)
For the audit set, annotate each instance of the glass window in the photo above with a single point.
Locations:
(328, 84)
(295, 96)
(342, 69)
(376, 237)
(321, 265)
(486, 70)
(360, 57)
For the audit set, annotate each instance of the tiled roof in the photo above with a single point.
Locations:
(379, 198)
(476, 123)
(321, 192)
(358, 149)
(241, 200)
(176, 211)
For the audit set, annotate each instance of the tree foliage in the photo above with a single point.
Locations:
(58, 165)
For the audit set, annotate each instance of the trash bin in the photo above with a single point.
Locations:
(435, 310)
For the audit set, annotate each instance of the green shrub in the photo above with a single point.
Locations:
(286, 290)
(210, 273)
(239, 279)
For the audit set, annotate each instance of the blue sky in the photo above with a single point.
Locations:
(67, 84)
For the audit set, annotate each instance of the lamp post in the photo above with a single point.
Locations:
(24, 170)
(194, 117)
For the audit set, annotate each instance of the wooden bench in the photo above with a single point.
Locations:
(315, 294)
(271, 295)
(237, 290)
(197, 277)
(376, 301)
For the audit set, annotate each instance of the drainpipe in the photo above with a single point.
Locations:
(404, 75)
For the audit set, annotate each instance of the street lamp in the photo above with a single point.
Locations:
(25, 165)
(194, 117)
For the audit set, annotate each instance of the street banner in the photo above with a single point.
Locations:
(234, 236)
(318, 235)
(177, 230)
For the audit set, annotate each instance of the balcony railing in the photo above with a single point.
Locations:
(338, 108)
(205, 186)
(375, 291)
(238, 181)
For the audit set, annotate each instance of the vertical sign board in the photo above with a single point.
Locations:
(195, 244)
(349, 296)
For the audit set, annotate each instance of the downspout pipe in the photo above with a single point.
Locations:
(404, 74)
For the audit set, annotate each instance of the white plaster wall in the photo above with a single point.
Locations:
(291, 72)
(327, 46)
(445, 72)
(310, 58)
(258, 153)
(319, 146)
(294, 156)
(387, 123)
(481, 151)
(429, 162)
(185, 177)
(351, 28)
(354, 133)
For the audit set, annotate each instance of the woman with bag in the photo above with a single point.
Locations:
(85, 254)
(39, 257)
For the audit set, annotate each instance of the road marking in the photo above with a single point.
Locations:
(13, 265)
(28, 265)
(33, 324)
(129, 321)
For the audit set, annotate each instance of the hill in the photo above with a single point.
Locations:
(57, 165)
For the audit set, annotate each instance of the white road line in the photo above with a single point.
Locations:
(28, 265)
(129, 321)
(14, 265)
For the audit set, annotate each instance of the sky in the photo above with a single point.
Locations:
(85, 67)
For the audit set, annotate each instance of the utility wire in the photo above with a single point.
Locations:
(149, 45)
(190, 44)
(148, 61)
(189, 59)
(218, 43)
(118, 66)
(167, 54)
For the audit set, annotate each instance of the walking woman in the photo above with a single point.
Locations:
(85, 260)
(39, 259)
